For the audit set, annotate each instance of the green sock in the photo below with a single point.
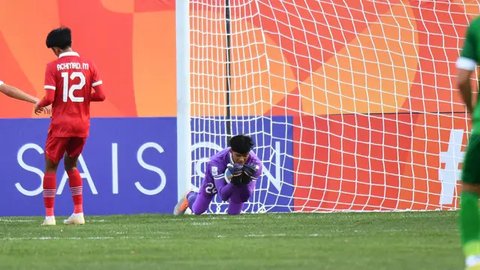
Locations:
(469, 223)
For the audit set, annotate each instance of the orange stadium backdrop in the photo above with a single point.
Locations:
(132, 42)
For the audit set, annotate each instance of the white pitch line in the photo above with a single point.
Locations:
(201, 223)
(281, 235)
(43, 238)
(17, 220)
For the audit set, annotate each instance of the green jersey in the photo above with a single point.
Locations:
(471, 47)
(469, 58)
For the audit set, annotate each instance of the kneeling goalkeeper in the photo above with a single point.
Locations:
(231, 173)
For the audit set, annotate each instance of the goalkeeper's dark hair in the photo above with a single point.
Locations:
(60, 38)
(241, 144)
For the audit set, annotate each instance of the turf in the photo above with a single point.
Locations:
(405, 240)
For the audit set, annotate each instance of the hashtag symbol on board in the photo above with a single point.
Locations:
(450, 174)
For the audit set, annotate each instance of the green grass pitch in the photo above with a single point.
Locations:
(373, 241)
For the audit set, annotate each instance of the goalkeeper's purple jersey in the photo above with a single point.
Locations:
(214, 182)
(217, 166)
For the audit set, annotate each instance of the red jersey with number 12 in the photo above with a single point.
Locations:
(72, 79)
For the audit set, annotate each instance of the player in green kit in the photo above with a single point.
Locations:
(469, 210)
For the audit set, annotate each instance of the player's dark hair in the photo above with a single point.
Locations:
(241, 144)
(60, 37)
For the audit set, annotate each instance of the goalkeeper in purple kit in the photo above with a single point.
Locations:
(231, 173)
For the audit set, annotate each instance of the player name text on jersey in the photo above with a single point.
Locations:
(72, 65)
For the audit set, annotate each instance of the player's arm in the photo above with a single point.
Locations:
(466, 65)
(251, 172)
(97, 93)
(254, 169)
(46, 100)
(223, 181)
(465, 87)
(224, 189)
(50, 88)
(16, 93)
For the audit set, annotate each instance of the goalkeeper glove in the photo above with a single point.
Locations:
(250, 169)
(233, 171)
(237, 180)
(248, 173)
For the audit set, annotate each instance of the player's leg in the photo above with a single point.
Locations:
(198, 202)
(54, 149)
(238, 198)
(469, 212)
(182, 205)
(73, 150)
(49, 191)
(234, 208)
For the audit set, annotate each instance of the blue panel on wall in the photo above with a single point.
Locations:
(273, 145)
(128, 166)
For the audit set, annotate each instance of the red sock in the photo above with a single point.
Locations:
(75, 182)
(49, 190)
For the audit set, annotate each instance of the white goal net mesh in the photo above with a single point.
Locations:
(352, 104)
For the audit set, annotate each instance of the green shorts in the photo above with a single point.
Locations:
(471, 162)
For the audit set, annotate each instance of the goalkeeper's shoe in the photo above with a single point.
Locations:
(75, 219)
(49, 221)
(181, 206)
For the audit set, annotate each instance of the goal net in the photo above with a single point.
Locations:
(352, 104)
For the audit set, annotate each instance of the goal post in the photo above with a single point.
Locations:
(184, 157)
(352, 104)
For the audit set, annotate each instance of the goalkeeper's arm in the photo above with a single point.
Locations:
(223, 181)
(251, 172)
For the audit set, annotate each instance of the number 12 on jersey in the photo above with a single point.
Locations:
(69, 88)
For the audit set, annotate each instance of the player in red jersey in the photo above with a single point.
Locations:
(71, 82)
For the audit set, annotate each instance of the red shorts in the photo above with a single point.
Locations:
(56, 147)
